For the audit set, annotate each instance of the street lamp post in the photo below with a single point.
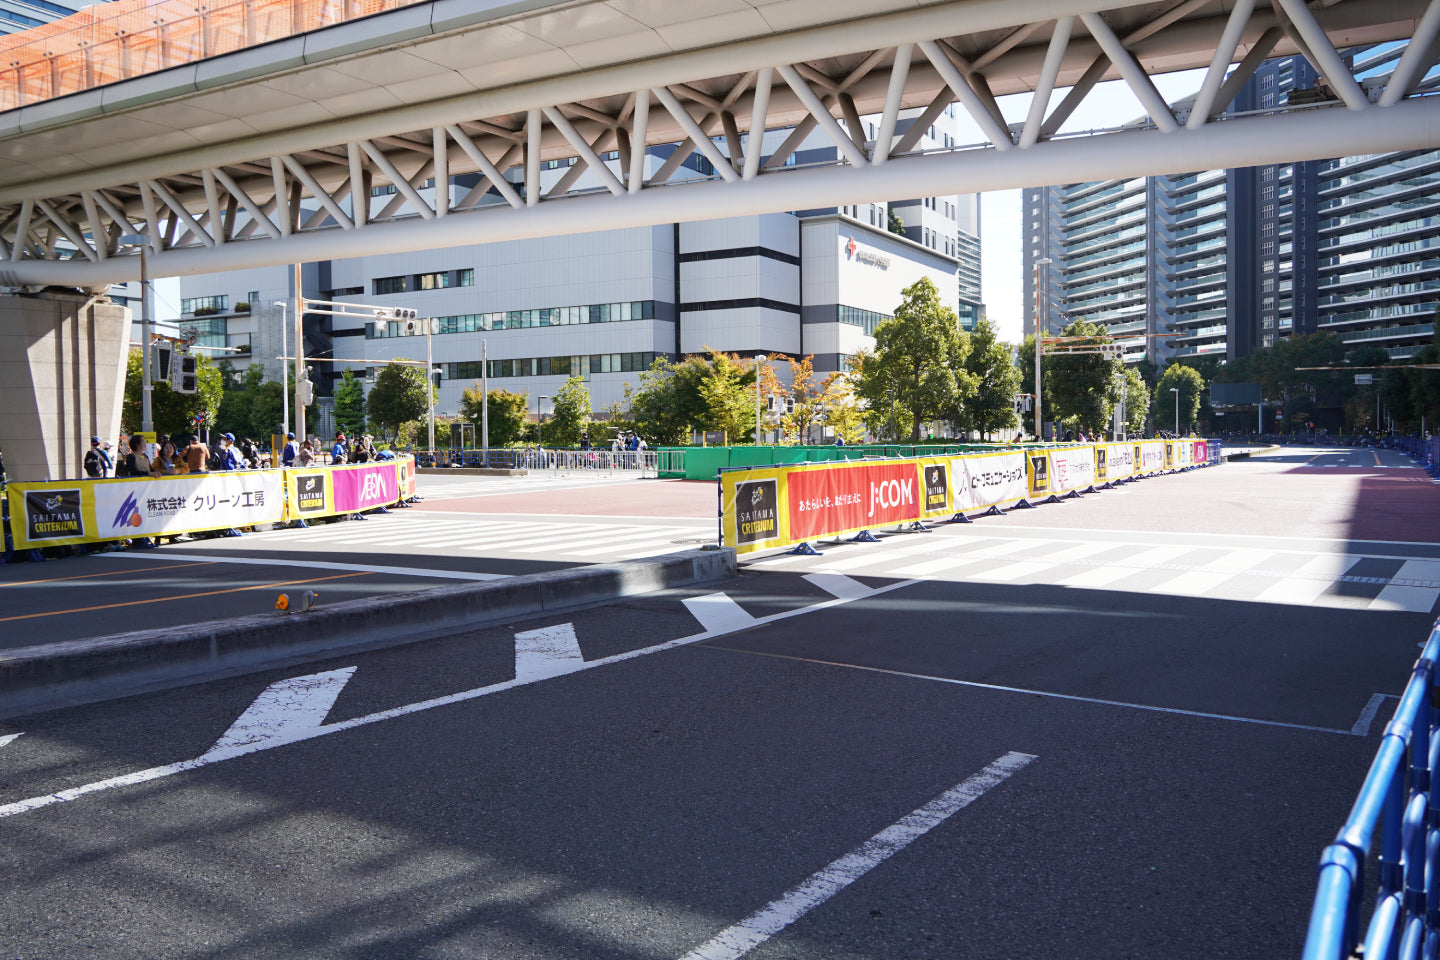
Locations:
(1176, 391)
(540, 423)
(1040, 326)
(284, 372)
(147, 424)
(759, 359)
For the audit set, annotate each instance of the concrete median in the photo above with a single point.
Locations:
(58, 674)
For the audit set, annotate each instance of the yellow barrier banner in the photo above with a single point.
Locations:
(979, 481)
(94, 511)
(327, 491)
(1114, 461)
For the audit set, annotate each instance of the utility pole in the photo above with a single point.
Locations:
(1040, 326)
(284, 372)
(759, 359)
(485, 401)
(300, 378)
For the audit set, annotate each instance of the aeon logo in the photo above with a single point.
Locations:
(374, 487)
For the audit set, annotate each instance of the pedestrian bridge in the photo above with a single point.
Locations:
(239, 134)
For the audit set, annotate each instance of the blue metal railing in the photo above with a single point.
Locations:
(1396, 797)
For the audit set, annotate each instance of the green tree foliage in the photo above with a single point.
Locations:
(401, 394)
(1190, 386)
(916, 372)
(349, 404)
(569, 416)
(251, 406)
(997, 380)
(507, 414)
(173, 413)
(843, 414)
(698, 393)
(1137, 400)
(1080, 389)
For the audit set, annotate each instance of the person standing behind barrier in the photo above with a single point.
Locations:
(337, 452)
(137, 464)
(306, 456)
(163, 463)
(195, 455)
(291, 451)
(98, 465)
(231, 458)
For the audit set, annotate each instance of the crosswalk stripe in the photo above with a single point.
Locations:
(1310, 582)
(1010, 572)
(1103, 576)
(1414, 599)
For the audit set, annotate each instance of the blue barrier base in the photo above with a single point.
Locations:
(803, 550)
(1075, 494)
(1023, 505)
(995, 511)
(864, 536)
(917, 527)
(1052, 499)
(960, 518)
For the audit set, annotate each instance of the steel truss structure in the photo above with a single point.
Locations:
(302, 194)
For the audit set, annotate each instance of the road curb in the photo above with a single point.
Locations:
(58, 674)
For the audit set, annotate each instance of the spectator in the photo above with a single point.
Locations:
(98, 464)
(584, 441)
(291, 451)
(137, 464)
(358, 451)
(195, 455)
(337, 452)
(164, 462)
(231, 459)
(306, 456)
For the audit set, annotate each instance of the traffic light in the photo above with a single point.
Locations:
(185, 374)
(161, 353)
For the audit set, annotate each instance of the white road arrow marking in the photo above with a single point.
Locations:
(717, 613)
(839, 585)
(312, 727)
(547, 652)
(287, 711)
(8, 738)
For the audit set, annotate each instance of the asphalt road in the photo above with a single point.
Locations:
(1121, 726)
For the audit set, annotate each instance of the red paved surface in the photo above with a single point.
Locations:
(628, 498)
(1294, 494)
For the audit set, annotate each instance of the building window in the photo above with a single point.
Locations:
(432, 281)
(390, 285)
(383, 191)
(867, 320)
(524, 319)
(207, 304)
(465, 278)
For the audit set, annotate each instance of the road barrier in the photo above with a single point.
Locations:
(638, 462)
(1424, 451)
(1396, 800)
(65, 512)
(789, 505)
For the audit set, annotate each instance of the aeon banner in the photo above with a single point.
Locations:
(364, 487)
(838, 499)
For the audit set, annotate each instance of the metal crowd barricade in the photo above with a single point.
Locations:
(643, 463)
(1397, 799)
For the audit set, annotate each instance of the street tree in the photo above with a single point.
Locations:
(1137, 400)
(349, 404)
(1189, 387)
(173, 413)
(507, 413)
(916, 372)
(569, 414)
(842, 412)
(997, 381)
(1080, 388)
(401, 394)
(804, 402)
(698, 393)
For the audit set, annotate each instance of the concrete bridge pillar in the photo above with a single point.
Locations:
(62, 377)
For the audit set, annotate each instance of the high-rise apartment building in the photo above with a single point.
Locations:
(1224, 262)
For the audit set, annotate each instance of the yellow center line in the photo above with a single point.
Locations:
(112, 573)
(1377, 457)
(183, 596)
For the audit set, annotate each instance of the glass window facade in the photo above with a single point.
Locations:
(524, 319)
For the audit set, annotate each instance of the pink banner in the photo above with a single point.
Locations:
(1202, 453)
(364, 486)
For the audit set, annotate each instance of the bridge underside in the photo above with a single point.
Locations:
(285, 190)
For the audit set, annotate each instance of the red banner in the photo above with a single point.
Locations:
(837, 499)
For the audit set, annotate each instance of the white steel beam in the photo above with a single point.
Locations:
(1045, 86)
(722, 164)
(1325, 59)
(1220, 63)
(967, 96)
(1242, 142)
(258, 216)
(894, 95)
(1135, 77)
(1415, 60)
(635, 179)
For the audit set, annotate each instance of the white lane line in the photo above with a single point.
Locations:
(1009, 573)
(1193, 583)
(312, 565)
(717, 612)
(286, 708)
(170, 769)
(839, 585)
(734, 942)
(547, 652)
(9, 738)
(1306, 585)
(1408, 597)
(1043, 693)
(1078, 551)
(1367, 715)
